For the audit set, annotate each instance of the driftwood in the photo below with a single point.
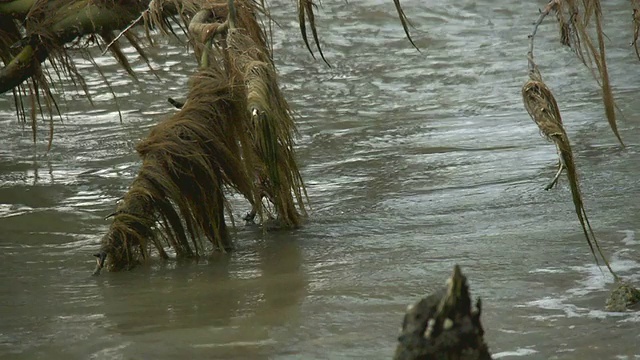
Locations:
(443, 326)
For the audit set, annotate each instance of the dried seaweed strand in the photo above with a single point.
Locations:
(405, 22)
(544, 111)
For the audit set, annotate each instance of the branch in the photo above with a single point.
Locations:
(17, 9)
(86, 20)
(533, 68)
(133, 23)
(21, 67)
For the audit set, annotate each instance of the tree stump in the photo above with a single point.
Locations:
(443, 326)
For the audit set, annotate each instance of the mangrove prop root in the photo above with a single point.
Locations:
(444, 326)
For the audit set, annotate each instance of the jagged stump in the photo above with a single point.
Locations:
(443, 326)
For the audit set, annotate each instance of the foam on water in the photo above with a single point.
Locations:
(515, 353)
(594, 279)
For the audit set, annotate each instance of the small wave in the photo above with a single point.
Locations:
(517, 352)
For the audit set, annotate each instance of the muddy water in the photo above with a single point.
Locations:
(414, 161)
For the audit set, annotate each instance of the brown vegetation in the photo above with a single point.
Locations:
(574, 18)
(234, 131)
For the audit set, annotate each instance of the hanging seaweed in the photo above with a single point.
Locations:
(543, 109)
(272, 130)
(575, 18)
(243, 51)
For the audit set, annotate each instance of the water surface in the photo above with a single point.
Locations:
(414, 161)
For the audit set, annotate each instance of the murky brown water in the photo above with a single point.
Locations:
(414, 162)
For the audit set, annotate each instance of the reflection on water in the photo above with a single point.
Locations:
(414, 161)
